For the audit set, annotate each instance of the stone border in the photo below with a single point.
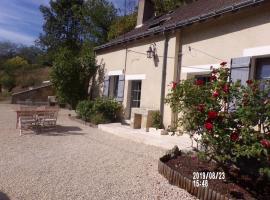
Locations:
(74, 118)
(177, 179)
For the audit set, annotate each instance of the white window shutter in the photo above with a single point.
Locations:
(240, 69)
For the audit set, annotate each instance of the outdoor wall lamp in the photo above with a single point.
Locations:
(152, 51)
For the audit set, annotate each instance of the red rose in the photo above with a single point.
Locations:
(234, 136)
(226, 88)
(214, 71)
(199, 82)
(223, 64)
(249, 82)
(215, 94)
(174, 84)
(265, 143)
(209, 126)
(212, 114)
(201, 107)
(213, 78)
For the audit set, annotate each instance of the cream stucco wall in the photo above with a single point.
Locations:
(225, 38)
(133, 61)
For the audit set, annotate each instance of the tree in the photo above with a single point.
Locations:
(63, 25)
(71, 29)
(163, 6)
(100, 15)
(7, 81)
(70, 23)
(122, 25)
(71, 74)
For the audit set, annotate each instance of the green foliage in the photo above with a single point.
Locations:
(101, 110)
(71, 30)
(5, 95)
(121, 25)
(70, 75)
(102, 14)
(232, 120)
(156, 120)
(84, 109)
(164, 6)
(7, 81)
(21, 66)
(15, 63)
(71, 23)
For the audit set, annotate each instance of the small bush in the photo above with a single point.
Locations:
(157, 120)
(99, 118)
(84, 109)
(102, 110)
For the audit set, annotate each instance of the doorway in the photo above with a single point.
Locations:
(135, 95)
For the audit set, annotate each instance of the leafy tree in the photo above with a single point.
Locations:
(71, 73)
(100, 14)
(14, 64)
(70, 23)
(121, 25)
(7, 81)
(71, 29)
(32, 54)
(163, 6)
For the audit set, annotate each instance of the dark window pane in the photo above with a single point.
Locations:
(136, 94)
(263, 69)
(113, 86)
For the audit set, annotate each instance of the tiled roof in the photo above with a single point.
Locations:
(194, 12)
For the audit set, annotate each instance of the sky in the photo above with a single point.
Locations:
(21, 21)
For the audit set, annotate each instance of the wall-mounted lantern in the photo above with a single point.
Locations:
(152, 51)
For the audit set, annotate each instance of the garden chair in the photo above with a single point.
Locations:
(26, 121)
(48, 119)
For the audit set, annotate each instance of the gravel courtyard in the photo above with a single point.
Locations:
(77, 162)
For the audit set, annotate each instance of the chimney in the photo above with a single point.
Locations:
(146, 10)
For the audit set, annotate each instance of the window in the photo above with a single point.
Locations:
(136, 94)
(113, 86)
(262, 71)
(204, 78)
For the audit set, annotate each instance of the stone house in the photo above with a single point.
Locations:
(34, 95)
(184, 43)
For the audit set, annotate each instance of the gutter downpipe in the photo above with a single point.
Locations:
(163, 78)
(178, 67)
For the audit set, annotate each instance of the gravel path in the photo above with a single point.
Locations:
(77, 162)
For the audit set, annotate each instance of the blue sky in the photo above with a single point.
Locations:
(21, 20)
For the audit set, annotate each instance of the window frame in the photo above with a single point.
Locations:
(253, 70)
(113, 86)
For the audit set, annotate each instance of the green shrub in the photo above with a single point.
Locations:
(102, 110)
(157, 120)
(232, 120)
(99, 118)
(84, 109)
(110, 109)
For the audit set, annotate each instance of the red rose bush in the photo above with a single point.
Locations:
(233, 120)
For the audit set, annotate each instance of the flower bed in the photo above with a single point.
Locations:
(207, 181)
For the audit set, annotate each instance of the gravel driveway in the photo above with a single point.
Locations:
(77, 162)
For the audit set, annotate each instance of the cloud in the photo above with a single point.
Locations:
(16, 37)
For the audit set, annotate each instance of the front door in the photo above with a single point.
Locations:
(135, 97)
